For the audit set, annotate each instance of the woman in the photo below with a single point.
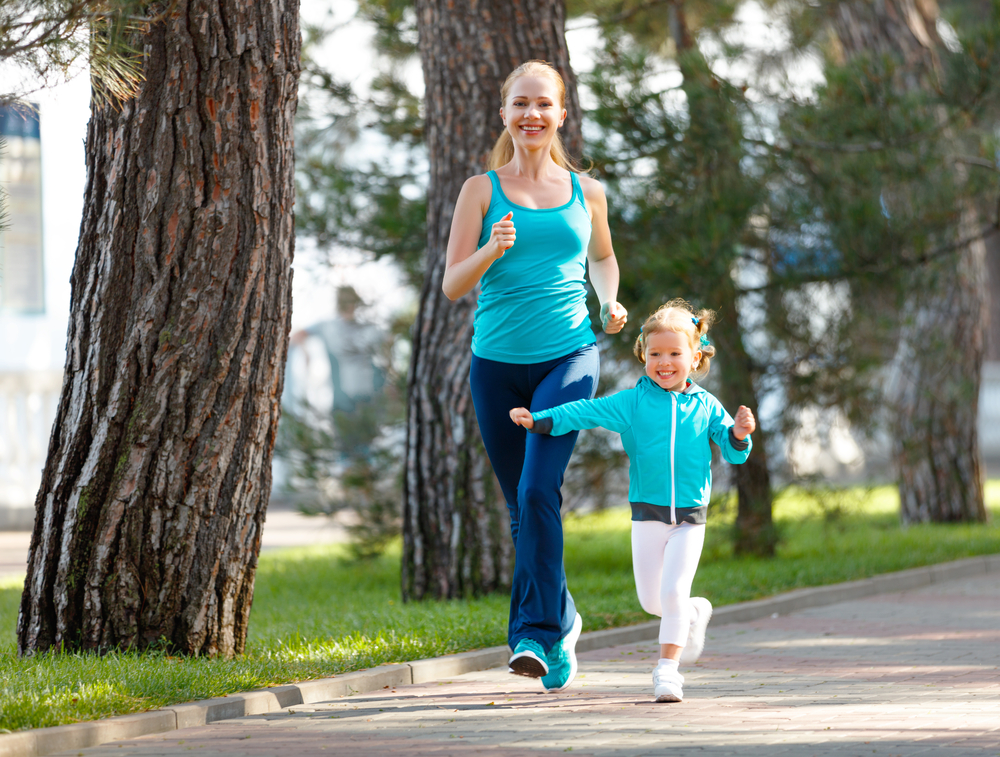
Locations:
(533, 345)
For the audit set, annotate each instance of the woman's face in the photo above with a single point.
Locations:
(533, 113)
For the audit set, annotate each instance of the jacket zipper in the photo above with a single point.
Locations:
(673, 472)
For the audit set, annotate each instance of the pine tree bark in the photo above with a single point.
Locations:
(716, 134)
(158, 473)
(456, 536)
(753, 532)
(934, 393)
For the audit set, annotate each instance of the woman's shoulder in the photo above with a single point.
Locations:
(591, 187)
(479, 183)
(478, 189)
(593, 193)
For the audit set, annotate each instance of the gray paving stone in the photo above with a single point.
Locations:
(911, 673)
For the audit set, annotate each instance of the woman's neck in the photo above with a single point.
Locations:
(533, 165)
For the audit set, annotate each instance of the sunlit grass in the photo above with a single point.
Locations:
(317, 613)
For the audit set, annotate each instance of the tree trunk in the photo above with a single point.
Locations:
(935, 388)
(934, 393)
(456, 537)
(754, 532)
(158, 473)
(716, 134)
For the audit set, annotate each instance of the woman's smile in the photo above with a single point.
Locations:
(532, 108)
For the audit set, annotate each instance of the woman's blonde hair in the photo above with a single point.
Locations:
(503, 150)
(678, 316)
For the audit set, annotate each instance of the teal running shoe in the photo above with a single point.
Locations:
(562, 659)
(528, 659)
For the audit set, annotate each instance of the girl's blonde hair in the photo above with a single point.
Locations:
(678, 316)
(503, 150)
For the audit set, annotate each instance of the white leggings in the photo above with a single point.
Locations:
(665, 558)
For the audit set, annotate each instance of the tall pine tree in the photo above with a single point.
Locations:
(148, 519)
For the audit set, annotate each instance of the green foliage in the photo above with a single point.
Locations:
(807, 205)
(346, 199)
(47, 39)
(317, 612)
(874, 180)
(672, 158)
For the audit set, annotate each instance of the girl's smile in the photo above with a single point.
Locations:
(670, 359)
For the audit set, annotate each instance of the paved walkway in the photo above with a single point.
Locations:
(898, 674)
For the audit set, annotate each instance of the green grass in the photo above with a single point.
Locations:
(316, 613)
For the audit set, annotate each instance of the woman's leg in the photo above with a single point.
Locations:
(496, 389)
(541, 605)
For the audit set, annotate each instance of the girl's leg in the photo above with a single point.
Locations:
(649, 539)
(652, 561)
(680, 562)
(541, 605)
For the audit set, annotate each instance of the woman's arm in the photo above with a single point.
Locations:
(465, 264)
(601, 257)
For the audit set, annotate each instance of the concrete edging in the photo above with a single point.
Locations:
(45, 741)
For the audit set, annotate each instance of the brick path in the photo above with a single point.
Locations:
(898, 674)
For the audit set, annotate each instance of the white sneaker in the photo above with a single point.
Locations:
(701, 613)
(667, 684)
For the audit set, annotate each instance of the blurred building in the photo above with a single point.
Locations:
(30, 361)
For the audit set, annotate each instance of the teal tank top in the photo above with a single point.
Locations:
(533, 301)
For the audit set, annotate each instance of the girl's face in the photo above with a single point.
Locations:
(533, 113)
(670, 359)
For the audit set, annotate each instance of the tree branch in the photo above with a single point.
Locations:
(985, 232)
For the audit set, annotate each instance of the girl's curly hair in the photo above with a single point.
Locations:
(678, 316)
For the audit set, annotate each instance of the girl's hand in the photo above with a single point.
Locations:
(744, 423)
(522, 417)
(502, 234)
(613, 317)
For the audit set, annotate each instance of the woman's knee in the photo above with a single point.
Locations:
(538, 500)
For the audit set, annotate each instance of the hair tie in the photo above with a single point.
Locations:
(704, 341)
(695, 321)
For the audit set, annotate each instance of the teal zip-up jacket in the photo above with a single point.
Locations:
(665, 435)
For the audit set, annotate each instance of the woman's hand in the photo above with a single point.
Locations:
(613, 317)
(744, 424)
(522, 417)
(502, 235)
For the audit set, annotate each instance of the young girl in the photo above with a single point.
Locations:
(665, 423)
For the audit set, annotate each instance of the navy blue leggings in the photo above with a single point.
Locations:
(530, 469)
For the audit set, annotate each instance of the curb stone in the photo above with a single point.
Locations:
(46, 741)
